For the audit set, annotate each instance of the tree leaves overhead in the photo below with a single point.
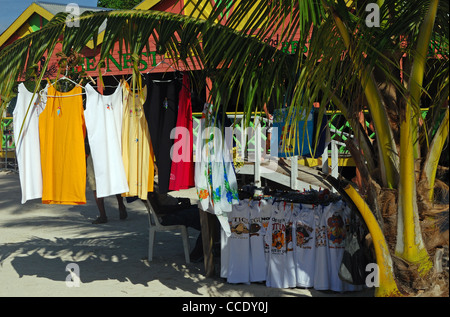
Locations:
(186, 40)
(237, 53)
(24, 54)
(118, 4)
(76, 36)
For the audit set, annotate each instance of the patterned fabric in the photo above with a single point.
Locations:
(215, 178)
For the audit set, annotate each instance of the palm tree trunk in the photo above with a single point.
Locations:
(410, 245)
(418, 69)
(434, 154)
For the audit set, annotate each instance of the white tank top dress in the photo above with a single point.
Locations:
(103, 116)
(26, 138)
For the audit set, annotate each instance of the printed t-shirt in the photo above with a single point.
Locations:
(276, 238)
(321, 271)
(290, 243)
(239, 244)
(257, 254)
(305, 223)
(337, 224)
(266, 208)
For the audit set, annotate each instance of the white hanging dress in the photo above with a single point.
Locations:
(103, 116)
(27, 142)
(215, 179)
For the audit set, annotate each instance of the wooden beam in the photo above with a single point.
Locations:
(207, 223)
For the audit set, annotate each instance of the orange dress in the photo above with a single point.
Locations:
(61, 133)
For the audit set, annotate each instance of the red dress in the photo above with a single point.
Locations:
(182, 170)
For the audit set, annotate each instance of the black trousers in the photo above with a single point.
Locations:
(161, 110)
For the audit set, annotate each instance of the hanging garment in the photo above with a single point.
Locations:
(215, 177)
(103, 117)
(276, 238)
(348, 287)
(305, 223)
(257, 254)
(239, 244)
(26, 138)
(137, 150)
(61, 133)
(224, 253)
(161, 112)
(321, 271)
(182, 171)
(266, 208)
(336, 233)
(202, 174)
(290, 276)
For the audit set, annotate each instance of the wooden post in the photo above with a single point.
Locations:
(334, 161)
(325, 168)
(257, 163)
(294, 172)
(208, 225)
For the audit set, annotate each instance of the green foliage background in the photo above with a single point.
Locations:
(118, 4)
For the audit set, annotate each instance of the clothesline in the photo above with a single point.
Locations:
(322, 197)
(117, 119)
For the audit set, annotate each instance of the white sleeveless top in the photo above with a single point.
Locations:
(27, 143)
(103, 117)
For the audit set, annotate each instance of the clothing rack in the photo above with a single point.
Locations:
(287, 247)
(312, 196)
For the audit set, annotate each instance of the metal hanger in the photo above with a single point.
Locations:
(163, 61)
(107, 86)
(62, 96)
(63, 77)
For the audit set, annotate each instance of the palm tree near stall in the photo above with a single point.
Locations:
(358, 56)
(380, 62)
